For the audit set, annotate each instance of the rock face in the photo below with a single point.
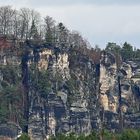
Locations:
(68, 92)
(10, 130)
(108, 70)
(65, 108)
(109, 91)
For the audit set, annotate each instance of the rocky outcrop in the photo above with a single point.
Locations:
(65, 108)
(108, 70)
(68, 92)
(109, 91)
(10, 130)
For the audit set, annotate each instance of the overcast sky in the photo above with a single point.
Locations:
(99, 21)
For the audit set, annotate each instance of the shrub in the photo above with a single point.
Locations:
(130, 135)
(24, 137)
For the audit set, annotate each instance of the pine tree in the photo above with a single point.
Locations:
(33, 32)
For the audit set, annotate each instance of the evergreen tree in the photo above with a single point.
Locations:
(34, 33)
(127, 51)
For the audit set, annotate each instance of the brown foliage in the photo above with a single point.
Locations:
(95, 55)
(4, 138)
(4, 44)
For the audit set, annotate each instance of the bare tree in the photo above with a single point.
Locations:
(76, 39)
(25, 22)
(35, 16)
(6, 20)
(16, 24)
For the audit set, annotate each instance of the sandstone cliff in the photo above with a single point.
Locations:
(64, 90)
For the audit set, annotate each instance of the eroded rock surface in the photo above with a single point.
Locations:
(68, 92)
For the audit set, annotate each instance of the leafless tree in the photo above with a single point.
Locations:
(25, 22)
(6, 20)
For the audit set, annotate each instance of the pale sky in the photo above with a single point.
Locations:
(99, 21)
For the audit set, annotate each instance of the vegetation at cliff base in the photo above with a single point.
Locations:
(128, 134)
(24, 137)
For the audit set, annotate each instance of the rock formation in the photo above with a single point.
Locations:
(68, 92)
